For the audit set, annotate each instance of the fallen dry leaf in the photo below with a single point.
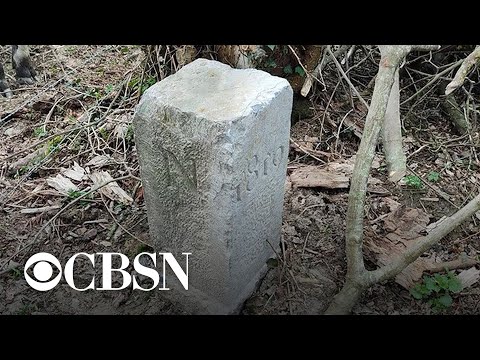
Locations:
(391, 204)
(15, 130)
(76, 173)
(383, 251)
(405, 227)
(121, 130)
(98, 161)
(407, 223)
(62, 184)
(112, 190)
(469, 277)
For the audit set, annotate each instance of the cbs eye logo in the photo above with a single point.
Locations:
(43, 271)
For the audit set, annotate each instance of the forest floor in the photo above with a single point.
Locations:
(77, 117)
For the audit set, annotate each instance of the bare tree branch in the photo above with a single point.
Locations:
(324, 61)
(344, 75)
(462, 73)
(358, 278)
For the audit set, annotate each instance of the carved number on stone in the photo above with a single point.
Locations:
(252, 172)
(257, 169)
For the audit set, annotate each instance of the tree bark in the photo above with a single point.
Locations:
(391, 57)
(346, 299)
(392, 135)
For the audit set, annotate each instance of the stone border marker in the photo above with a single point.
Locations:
(213, 148)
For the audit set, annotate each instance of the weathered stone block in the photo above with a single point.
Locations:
(213, 147)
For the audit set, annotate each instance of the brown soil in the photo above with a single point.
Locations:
(82, 84)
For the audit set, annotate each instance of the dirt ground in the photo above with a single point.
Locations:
(80, 112)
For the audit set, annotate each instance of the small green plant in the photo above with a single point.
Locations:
(288, 70)
(50, 147)
(40, 132)
(129, 134)
(135, 82)
(147, 83)
(103, 133)
(16, 273)
(270, 63)
(76, 82)
(271, 47)
(53, 143)
(382, 169)
(433, 176)
(24, 169)
(436, 290)
(76, 145)
(413, 181)
(108, 89)
(299, 70)
(94, 93)
(73, 194)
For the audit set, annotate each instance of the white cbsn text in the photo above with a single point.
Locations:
(43, 271)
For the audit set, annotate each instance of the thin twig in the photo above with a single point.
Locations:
(306, 151)
(298, 59)
(434, 79)
(344, 75)
(440, 193)
(120, 225)
(340, 127)
(49, 138)
(53, 218)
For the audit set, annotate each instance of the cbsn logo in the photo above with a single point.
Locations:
(43, 271)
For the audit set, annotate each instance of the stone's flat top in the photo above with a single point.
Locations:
(216, 91)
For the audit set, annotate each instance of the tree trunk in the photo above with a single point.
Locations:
(346, 299)
(392, 135)
(358, 278)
